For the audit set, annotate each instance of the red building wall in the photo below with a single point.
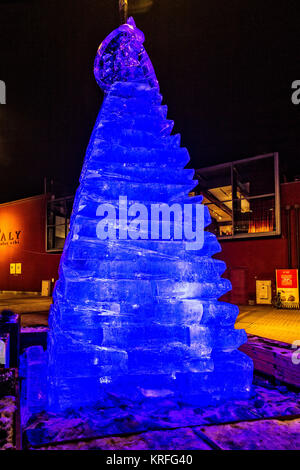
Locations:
(22, 240)
(258, 258)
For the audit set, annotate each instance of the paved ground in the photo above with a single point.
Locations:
(260, 320)
(23, 303)
(258, 435)
(32, 308)
(265, 321)
(268, 322)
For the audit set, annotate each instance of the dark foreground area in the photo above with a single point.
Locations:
(269, 420)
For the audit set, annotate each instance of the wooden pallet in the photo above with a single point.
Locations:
(273, 358)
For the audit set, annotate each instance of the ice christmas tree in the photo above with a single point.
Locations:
(134, 314)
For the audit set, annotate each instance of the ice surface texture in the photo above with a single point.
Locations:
(139, 318)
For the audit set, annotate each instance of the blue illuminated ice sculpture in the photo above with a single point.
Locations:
(137, 316)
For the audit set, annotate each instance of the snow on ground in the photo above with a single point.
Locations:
(150, 423)
(7, 413)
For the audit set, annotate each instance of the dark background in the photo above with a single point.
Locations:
(225, 71)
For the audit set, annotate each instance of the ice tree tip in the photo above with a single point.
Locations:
(121, 57)
(131, 22)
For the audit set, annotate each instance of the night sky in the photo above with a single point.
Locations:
(225, 71)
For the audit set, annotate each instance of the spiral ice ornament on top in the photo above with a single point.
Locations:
(121, 57)
(137, 313)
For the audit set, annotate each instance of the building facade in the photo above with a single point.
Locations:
(255, 218)
(24, 259)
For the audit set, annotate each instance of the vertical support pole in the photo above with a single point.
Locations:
(233, 196)
(277, 193)
(66, 217)
(297, 206)
(123, 9)
(288, 219)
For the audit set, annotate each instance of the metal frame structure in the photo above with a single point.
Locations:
(275, 194)
(51, 201)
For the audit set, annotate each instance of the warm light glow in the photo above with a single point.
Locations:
(11, 232)
(262, 225)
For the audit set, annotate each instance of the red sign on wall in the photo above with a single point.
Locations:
(287, 285)
(287, 278)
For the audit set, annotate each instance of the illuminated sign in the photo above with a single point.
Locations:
(10, 238)
(15, 268)
(287, 285)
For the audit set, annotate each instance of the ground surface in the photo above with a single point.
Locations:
(260, 320)
(269, 420)
(261, 435)
(272, 421)
(7, 411)
(268, 322)
(32, 308)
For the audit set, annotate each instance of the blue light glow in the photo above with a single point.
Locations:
(139, 318)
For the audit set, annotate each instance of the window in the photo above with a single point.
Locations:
(242, 197)
(58, 221)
